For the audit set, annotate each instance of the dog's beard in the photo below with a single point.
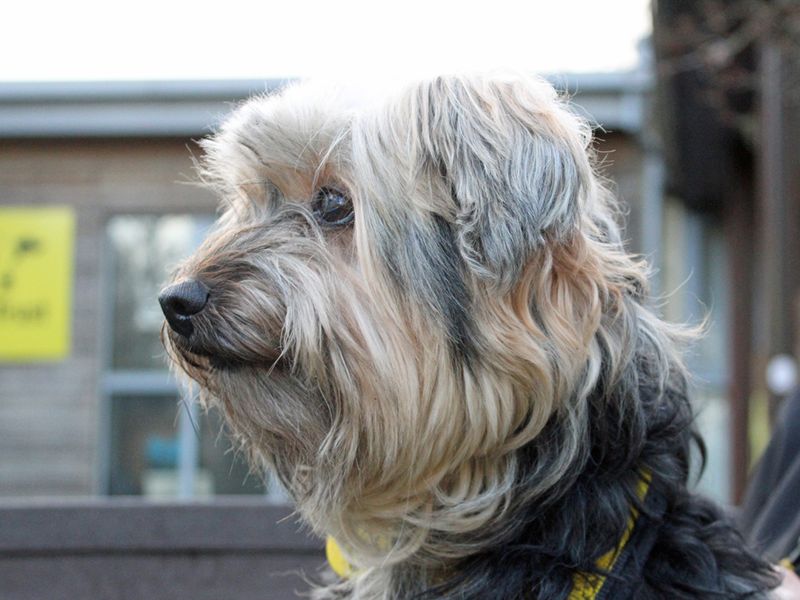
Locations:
(277, 416)
(206, 349)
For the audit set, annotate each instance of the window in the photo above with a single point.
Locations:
(158, 444)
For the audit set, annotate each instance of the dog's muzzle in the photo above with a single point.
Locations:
(180, 302)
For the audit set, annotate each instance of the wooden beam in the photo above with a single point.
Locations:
(738, 224)
(778, 226)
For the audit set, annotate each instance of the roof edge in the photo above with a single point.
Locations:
(195, 107)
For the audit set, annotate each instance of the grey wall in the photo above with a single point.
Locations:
(235, 549)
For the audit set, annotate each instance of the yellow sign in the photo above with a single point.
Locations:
(36, 248)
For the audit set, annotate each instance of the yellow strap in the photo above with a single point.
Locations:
(586, 586)
(336, 559)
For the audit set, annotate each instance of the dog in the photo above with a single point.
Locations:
(416, 309)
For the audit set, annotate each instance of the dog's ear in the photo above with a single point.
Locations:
(514, 159)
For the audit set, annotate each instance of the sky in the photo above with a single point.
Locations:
(237, 39)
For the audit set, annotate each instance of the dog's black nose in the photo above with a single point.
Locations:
(182, 301)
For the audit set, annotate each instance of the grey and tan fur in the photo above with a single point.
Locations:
(433, 379)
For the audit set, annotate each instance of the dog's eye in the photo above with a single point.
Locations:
(332, 207)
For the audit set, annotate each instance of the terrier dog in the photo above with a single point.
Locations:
(416, 308)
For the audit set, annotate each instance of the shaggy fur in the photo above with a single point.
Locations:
(464, 384)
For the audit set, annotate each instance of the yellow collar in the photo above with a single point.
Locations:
(585, 586)
(336, 559)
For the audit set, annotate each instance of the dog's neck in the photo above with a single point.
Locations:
(585, 585)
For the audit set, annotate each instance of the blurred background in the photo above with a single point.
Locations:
(696, 106)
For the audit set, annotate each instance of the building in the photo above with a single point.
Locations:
(101, 421)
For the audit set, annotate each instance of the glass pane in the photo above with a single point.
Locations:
(146, 443)
(143, 250)
(226, 466)
(146, 446)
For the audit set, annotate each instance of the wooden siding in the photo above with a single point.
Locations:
(50, 412)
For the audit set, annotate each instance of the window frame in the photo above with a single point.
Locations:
(149, 383)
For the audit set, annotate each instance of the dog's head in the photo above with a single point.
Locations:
(401, 293)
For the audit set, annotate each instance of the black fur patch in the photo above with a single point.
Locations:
(426, 262)
(683, 547)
